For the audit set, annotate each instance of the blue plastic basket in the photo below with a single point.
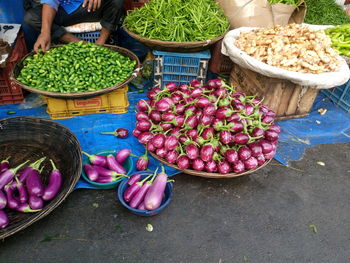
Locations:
(340, 96)
(180, 68)
(88, 36)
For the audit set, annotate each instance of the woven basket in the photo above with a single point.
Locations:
(29, 138)
(170, 46)
(205, 174)
(18, 67)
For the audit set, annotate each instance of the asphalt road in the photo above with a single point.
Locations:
(279, 214)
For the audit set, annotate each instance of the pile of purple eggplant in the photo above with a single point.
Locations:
(22, 190)
(106, 169)
(210, 128)
(143, 194)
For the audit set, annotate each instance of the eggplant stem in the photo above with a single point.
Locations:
(112, 133)
(14, 170)
(133, 155)
(154, 176)
(6, 160)
(53, 165)
(88, 155)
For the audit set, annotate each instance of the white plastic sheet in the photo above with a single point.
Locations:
(318, 81)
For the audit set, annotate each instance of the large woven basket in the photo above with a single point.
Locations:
(29, 138)
(175, 46)
(208, 175)
(19, 65)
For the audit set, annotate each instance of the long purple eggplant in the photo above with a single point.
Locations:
(22, 191)
(4, 220)
(106, 172)
(12, 203)
(5, 164)
(8, 175)
(33, 183)
(114, 165)
(25, 208)
(133, 189)
(36, 202)
(122, 155)
(3, 200)
(54, 185)
(23, 174)
(96, 159)
(154, 195)
(90, 172)
(134, 179)
(141, 206)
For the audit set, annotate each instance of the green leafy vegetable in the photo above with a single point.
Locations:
(178, 20)
(325, 12)
(286, 2)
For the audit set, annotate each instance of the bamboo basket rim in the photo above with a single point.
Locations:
(74, 95)
(54, 203)
(206, 174)
(174, 46)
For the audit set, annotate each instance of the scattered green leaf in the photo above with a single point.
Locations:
(321, 163)
(11, 112)
(313, 228)
(96, 205)
(149, 228)
(245, 259)
(117, 227)
(53, 237)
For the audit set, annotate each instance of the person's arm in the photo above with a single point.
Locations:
(48, 15)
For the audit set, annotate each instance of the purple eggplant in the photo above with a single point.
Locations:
(206, 120)
(3, 200)
(122, 155)
(269, 155)
(155, 116)
(171, 156)
(22, 191)
(244, 153)
(142, 162)
(5, 164)
(154, 195)
(144, 137)
(4, 220)
(8, 175)
(207, 152)
(198, 164)
(202, 102)
(251, 163)
(166, 126)
(231, 156)
(161, 152)
(266, 146)
(175, 132)
(209, 110)
(105, 180)
(25, 208)
(23, 174)
(168, 116)
(261, 159)
(54, 185)
(249, 109)
(141, 116)
(143, 125)
(258, 132)
(162, 105)
(225, 137)
(134, 179)
(12, 203)
(136, 132)
(238, 167)
(183, 162)
(120, 132)
(192, 151)
(276, 128)
(176, 98)
(170, 86)
(158, 140)
(223, 113)
(171, 142)
(255, 148)
(271, 135)
(241, 138)
(133, 189)
(95, 159)
(192, 134)
(150, 147)
(267, 119)
(234, 117)
(141, 206)
(36, 202)
(195, 83)
(113, 165)
(224, 167)
(138, 198)
(90, 172)
(179, 109)
(106, 172)
(211, 166)
(208, 133)
(34, 184)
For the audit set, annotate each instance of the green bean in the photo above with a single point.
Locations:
(340, 37)
(178, 20)
(76, 67)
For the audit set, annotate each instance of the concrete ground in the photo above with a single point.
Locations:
(279, 214)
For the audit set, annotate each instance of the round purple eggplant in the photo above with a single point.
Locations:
(271, 135)
(225, 137)
(191, 151)
(136, 132)
(171, 156)
(224, 167)
(207, 152)
(161, 152)
(244, 153)
(231, 156)
(158, 140)
(211, 166)
(142, 162)
(266, 146)
(241, 138)
(162, 105)
(155, 116)
(171, 142)
(144, 138)
(183, 162)
(251, 163)
(238, 167)
(198, 164)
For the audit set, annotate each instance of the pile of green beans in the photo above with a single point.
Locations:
(178, 20)
(340, 37)
(76, 67)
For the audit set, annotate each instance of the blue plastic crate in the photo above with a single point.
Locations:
(340, 96)
(180, 68)
(89, 36)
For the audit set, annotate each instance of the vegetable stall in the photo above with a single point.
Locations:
(191, 121)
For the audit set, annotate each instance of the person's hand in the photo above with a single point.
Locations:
(43, 42)
(93, 5)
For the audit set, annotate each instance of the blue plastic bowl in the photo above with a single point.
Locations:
(128, 166)
(166, 200)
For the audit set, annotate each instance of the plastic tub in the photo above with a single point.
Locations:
(128, 166)
(166, 200)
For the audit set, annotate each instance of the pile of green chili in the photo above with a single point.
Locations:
(325, 12)
(76, 67)
(340, 36)
(178, 20)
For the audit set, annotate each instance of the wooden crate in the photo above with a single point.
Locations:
(287, 99)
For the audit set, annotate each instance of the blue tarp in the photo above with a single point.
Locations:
(296, 136)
